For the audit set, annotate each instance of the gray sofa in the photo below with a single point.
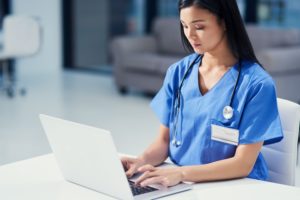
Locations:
(140, 62)
(279, 52)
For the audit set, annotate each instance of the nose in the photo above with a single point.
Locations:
(190, 33)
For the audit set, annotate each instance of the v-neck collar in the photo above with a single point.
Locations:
(229, 73)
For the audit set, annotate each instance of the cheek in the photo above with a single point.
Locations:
(185, 33)
(211, 38)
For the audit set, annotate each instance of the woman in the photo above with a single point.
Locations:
(217, 106)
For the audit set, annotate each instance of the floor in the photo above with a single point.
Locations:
(81, 97)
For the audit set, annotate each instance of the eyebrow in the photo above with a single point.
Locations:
(194, 21)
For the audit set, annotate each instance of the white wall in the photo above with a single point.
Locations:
(49, 59)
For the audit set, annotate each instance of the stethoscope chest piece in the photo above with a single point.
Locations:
(176, 143)
(228, 112)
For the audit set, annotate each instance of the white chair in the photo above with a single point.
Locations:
(281, 157)
(21, 38)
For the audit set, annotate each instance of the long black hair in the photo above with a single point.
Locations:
(227, 11)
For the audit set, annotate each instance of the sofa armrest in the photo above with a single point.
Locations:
(280, 60)
(127, 44)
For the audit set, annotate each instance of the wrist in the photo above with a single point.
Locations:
(182, 173)
(141, 160)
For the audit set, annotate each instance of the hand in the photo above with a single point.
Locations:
(131, 165)
(155, 175)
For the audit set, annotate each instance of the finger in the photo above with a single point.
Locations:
(145, 168)
(144, 176)
(125, 165)
(126, 160)
(165, 182)
(153, 180)
(130, 172)
(123, 161)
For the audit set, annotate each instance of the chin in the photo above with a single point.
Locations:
(199, 51)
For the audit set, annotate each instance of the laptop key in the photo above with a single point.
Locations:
(136, 189)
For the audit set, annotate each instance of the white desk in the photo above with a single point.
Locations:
(40, 179)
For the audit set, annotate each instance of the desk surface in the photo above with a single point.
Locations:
(40, 178)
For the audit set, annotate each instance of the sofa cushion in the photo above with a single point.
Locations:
(266, 37)
(167, 33)
(149, 62)
(280, 60)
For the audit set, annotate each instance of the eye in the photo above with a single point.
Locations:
(199, 27)
(184, 26)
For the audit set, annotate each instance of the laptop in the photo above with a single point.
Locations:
(88, 157)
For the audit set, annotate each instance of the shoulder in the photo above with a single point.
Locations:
(182, 65)
(177, 70)
(256, 74)
(257, 79)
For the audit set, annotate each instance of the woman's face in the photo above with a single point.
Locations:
(203, 30)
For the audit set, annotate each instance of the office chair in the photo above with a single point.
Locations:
(281, 157)
(21, 38)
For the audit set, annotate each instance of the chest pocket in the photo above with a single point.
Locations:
(221, 149)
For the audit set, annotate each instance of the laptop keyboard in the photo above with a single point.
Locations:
(136, 189)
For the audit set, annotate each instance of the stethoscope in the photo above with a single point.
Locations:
(227, 110)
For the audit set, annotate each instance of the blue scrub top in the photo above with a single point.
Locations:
(255, 113)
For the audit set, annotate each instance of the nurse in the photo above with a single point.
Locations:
(217, 107)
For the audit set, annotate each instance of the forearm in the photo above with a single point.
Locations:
(157, 152)
(240, 165)
(220, 170)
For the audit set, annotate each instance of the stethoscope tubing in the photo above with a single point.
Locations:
(177, 102)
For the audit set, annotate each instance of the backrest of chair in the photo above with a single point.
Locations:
(281, 157)
(22, 35)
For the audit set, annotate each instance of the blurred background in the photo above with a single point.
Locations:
(99, 62)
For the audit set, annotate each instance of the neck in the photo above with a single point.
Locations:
(221, 56)
(212, 61)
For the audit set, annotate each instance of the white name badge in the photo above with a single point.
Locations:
(224, 134)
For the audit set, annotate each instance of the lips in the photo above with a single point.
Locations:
(196, 45)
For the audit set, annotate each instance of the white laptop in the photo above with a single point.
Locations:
(88, 157)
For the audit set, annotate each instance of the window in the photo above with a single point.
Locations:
(167, 8)
(4, 10)
(285, 13)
